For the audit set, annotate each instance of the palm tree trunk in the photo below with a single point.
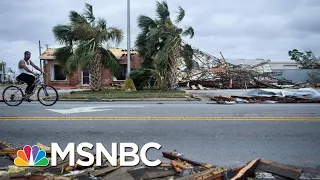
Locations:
(173, 76)
(96, 72)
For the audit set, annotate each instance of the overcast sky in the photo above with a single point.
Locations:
(239, 29)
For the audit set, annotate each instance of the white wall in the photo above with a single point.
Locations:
(284, 65)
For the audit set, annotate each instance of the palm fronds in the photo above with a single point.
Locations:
(83, 38)
(160, 41)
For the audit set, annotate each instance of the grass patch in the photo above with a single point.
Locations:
(6, 84)
(118, 94)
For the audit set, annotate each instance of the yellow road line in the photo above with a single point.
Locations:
(181, 118)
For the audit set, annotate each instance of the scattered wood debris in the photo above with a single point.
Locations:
(178, 167)
(247, 171)
(286, 171)
(7, 148)
(217, 73)
(303, 95)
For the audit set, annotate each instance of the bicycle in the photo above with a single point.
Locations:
(25, 97)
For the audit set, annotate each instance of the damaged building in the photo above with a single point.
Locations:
(210, 72)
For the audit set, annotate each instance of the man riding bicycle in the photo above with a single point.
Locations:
(25, 74)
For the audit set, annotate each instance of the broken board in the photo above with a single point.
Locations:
(283, 170)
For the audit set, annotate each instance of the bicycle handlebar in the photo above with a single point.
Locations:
(38, 74)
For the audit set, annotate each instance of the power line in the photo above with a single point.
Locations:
(8, 56)
(40, 54)
(5, 52)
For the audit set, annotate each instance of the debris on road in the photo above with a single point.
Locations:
(302, 95)
(178, 167)
(286, 171)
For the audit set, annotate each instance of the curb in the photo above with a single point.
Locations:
(122, 100)
(114, 100)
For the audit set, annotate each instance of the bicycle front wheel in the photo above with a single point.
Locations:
(12, 96)
(47, 95)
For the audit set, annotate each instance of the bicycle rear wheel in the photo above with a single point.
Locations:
(10, 93)
(47, 95)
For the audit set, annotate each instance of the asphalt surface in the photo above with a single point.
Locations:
(160, 108)
(225, 143)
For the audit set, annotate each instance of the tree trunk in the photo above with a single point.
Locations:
(173, 79)
(96, 72)
(172, 74)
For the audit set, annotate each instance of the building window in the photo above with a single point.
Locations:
(85, 76)
(57, 73)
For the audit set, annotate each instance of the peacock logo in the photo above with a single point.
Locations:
(31, 156)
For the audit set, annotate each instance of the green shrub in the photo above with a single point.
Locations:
(143, 78)
(314, 76)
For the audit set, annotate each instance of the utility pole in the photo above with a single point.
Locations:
(40, 54)
(128, 39)
(2, 71)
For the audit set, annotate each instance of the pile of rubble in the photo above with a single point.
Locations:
(302, 95)
(216, 73)
(178, 167)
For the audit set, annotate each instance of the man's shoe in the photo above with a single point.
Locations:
(26, 96)
(29, 92)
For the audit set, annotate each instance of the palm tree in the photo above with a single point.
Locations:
(84, 40)
(160, 43)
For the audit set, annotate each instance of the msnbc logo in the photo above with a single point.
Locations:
(31, 156)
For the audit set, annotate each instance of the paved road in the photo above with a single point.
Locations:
(185, 108)
(224, 143)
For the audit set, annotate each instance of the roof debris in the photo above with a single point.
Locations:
(302, 95)
(216, 73)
